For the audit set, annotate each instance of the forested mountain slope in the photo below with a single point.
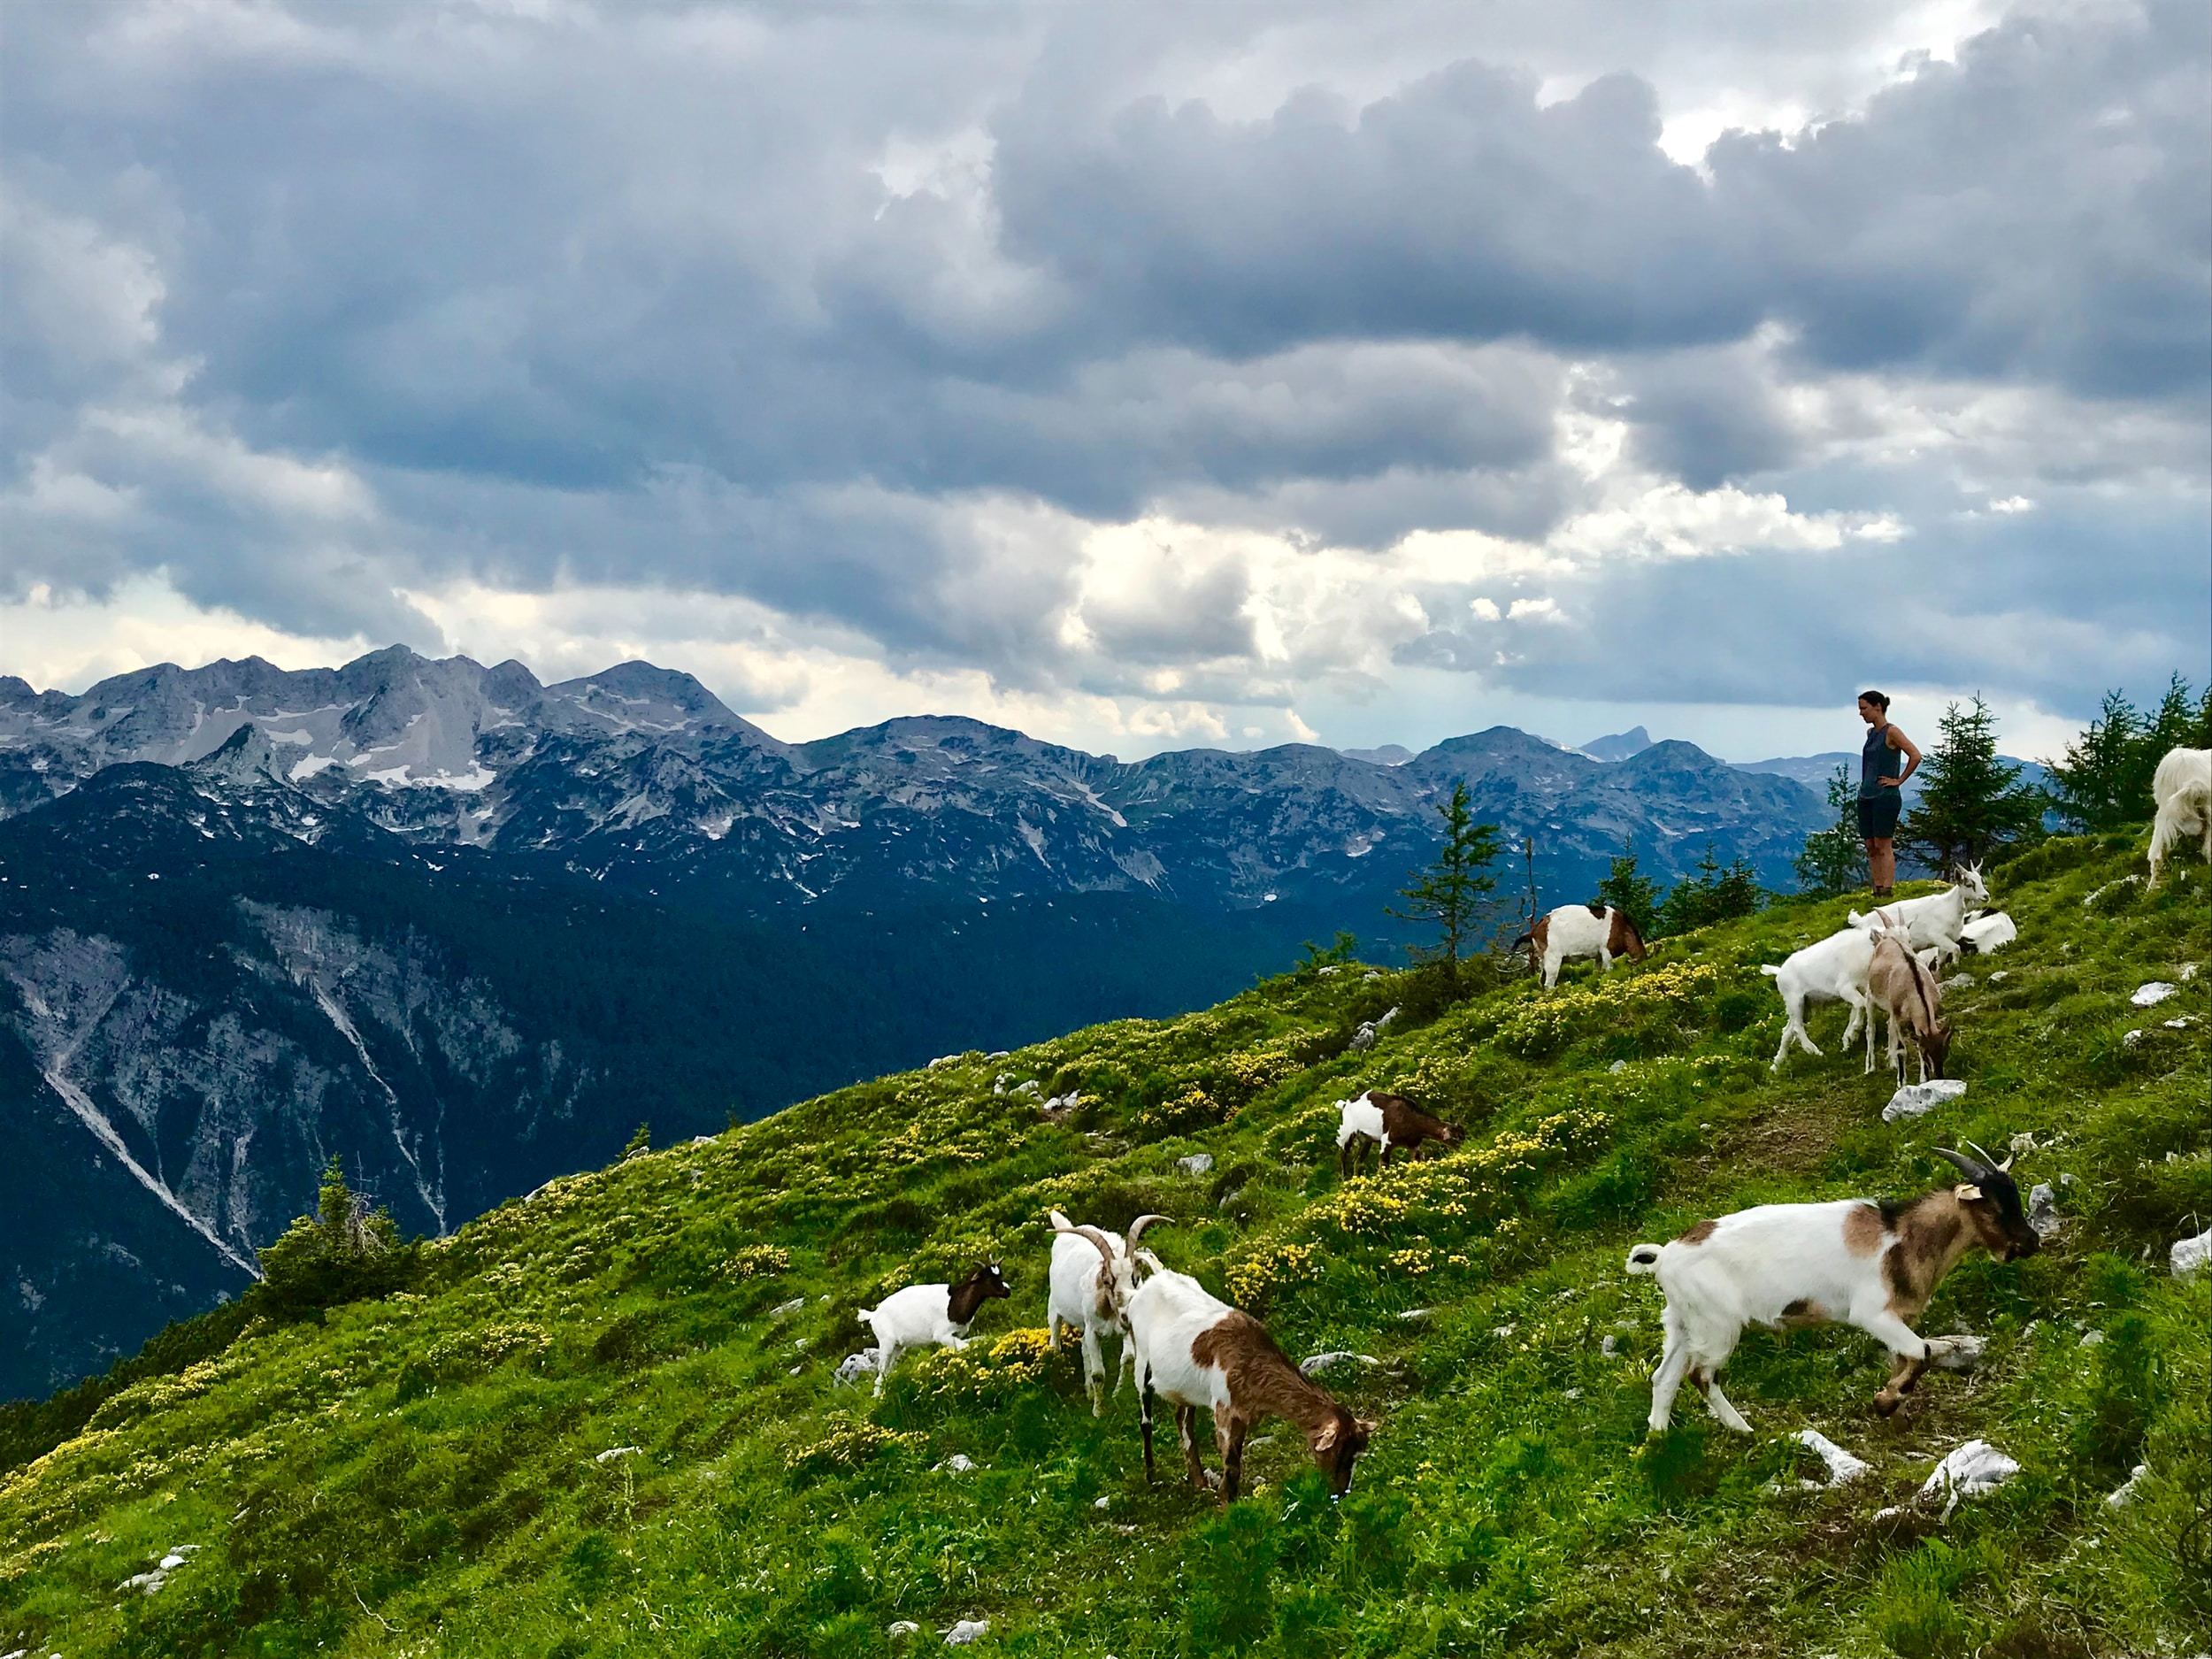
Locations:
(604, 1420)
(197, 1011)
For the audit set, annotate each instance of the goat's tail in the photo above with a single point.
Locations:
(1771, 970)
(1644, 1258)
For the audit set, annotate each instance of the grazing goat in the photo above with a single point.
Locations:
(1938, 919)
(1390, 1119)
(1579, 930)
(1090, 1294)
(1198, 1352)
(1854, 1262)
(1899, 985)
(925, 1315)
(2182, 791)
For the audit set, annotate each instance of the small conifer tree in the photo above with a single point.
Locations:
(1635, 897)
(1972, 802)
(349, 1248)
(1449, 893)
(1834, 858)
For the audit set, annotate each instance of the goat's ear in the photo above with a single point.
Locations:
(1966, 1193)
(1326, 1438)
(1367, 1426)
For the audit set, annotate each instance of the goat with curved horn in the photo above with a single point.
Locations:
(1089, 1297)
(1104, 1245)
(1970, 1168)
(1137, 1227)
(1991, 1163)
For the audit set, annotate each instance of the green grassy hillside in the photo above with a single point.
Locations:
(423, 1474)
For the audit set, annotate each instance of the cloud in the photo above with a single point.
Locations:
(1212, 362)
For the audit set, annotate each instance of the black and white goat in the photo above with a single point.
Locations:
(1094, 1275)
(925, 1316)
(1197, 1353)
(1853, 1262)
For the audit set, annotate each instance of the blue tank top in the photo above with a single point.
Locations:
(1877, 760)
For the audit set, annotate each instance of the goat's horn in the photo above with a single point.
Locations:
(1985, 1158)
(1966, 1166)
(1105, 1244)
(1137, 1227)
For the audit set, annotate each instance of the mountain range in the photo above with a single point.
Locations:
(464, 929)
(641, 775)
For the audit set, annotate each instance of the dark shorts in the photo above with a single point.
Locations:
(1877, 816)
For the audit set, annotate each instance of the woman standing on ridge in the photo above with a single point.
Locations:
(1885, 761)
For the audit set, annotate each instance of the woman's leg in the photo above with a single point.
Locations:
(1881, 865)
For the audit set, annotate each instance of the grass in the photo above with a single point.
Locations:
(422, 1474)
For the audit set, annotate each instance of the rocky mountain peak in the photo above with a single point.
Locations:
(1619, 746)
(246, 759)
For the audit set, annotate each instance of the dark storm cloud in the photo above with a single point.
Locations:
(1706, 417)
(2037, 211)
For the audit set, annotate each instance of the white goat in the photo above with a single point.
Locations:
(1197, 1352)
(1988, 931)
(2182, 791)
(1093, 1276)
(1937, 919)
(923, 1315)
(1853, 1262)
(1834, 970)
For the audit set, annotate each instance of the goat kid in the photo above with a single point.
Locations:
(1391, 1120)
(1900, 986)
(1937, 919)
(1831, 970)
(1579, 930)
(923, 1315)
(2182, 791)
(1093, 1277)
(1855, 1262)
(1197, 1353)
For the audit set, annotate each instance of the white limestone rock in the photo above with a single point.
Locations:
(1916, 1100)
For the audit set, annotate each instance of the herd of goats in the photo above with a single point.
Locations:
(1872, 1265)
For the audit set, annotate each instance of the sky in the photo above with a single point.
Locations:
(1140, 376)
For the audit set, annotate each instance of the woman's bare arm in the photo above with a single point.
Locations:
(1903, 745)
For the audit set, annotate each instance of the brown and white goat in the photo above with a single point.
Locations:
(1390, 1120)
(1899, 985)
(1853, 1262)
(1580, 930)
(1197, 1353)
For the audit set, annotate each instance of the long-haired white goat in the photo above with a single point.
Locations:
(2182, 790)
